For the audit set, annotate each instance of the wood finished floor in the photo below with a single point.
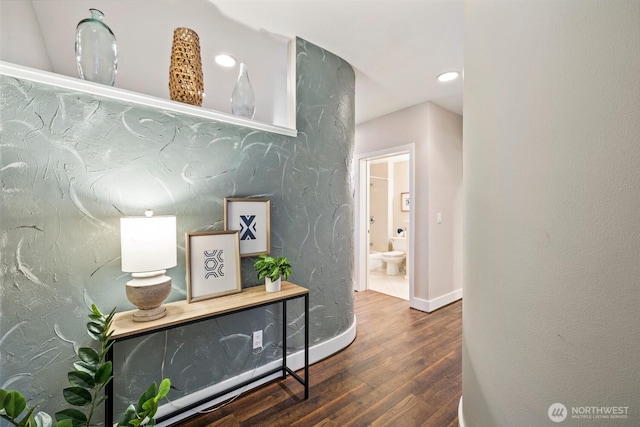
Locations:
(403, 369)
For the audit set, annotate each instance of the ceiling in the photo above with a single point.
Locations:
(397, 47)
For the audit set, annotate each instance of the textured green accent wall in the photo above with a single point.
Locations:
(72, 164)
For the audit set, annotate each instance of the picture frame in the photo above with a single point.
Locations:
(405, 202)
(213, 264)
(251, 217)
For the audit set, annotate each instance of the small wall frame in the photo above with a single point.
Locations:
(252, 218)
(405, 202)
(213, 264)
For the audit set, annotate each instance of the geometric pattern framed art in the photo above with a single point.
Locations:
(252, 219)
(213, 264)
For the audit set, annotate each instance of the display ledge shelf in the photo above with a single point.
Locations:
(53, 79)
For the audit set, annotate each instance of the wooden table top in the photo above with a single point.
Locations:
(182, 312)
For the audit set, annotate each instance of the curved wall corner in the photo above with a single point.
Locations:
(551, 225)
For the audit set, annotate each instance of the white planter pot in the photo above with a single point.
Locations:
(272, 286)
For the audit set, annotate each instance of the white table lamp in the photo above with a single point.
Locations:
(148, 245)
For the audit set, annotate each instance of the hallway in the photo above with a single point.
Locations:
(404, 368)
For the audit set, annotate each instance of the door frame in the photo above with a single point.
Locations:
(361, 215)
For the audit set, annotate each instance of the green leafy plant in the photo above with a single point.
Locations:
(92, 373)
(13, 404)
(268, 266)
(147, 406)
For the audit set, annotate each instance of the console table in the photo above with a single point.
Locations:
(181, 313)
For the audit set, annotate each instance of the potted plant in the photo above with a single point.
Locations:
(272, 270)
(91, 375)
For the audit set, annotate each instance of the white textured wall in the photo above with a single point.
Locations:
(552, 210)
(444, 167)
(20, 37)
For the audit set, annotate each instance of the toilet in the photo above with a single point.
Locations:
(395, 258)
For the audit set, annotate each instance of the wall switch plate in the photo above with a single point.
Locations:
(257, 339)
(439, 218)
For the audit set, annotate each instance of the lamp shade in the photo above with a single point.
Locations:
(148, 243)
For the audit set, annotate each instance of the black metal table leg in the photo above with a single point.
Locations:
(108, 391)
(306, 346)
(284, 338)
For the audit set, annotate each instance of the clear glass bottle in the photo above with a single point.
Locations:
(96, 52)
(243, 101)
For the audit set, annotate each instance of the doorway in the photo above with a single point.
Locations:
(377, 174)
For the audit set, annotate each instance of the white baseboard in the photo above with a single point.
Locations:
(295, 361)
(460, 414)
(436, 303)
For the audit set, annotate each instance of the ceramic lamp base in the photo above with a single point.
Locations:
(150, 314)
(147, 293)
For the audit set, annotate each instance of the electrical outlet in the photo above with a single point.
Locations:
(257, 339)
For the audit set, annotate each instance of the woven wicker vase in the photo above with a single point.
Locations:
(185, 72)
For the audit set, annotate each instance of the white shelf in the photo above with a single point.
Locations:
(79, 85)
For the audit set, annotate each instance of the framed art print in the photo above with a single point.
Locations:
(213, 264)
(252, 219)
(405, 202)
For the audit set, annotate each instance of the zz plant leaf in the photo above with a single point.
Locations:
(13, 404)
(88, 355)
(146, 396)
(147, 406)
(94, 330)
(103, 374)
(81, 379)
(73, 415)
(77, 396)
(89, 368)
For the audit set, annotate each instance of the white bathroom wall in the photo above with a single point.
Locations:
(388, 177)
(400, 185)
(379, 206)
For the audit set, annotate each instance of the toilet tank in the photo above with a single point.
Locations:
(399, 244)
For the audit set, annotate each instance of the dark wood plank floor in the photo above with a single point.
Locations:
(403, 369)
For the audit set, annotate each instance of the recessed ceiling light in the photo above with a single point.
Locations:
(448, 76)
(225, 60)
